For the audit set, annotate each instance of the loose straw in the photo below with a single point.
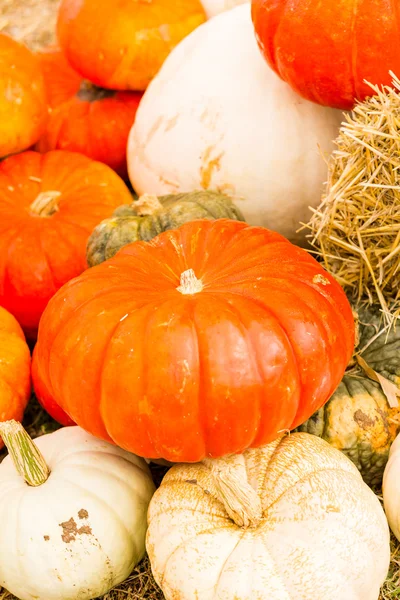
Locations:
(356, 228)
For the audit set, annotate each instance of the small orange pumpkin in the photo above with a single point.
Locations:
(49, 205)
(23, 110)
(125, 43)
(15, 369)
(328, 51)
(84, 118)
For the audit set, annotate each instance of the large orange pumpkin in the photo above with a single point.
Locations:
(84, 118)
(325, 50)
(122, 44)
(15, 369)
(49, 204)
(23, 110)
(209, 339)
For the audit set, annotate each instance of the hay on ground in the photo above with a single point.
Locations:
(391, 587)
(356, 228)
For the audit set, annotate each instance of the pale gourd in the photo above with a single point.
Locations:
(215, 7)
(290, 520)
(391, 488)
(217, 117)
(73, 518)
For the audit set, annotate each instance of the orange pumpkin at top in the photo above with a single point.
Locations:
(23, 109)
(84, 118)
(325, 50)
(204, 341)
(49, 205)
(122, 44)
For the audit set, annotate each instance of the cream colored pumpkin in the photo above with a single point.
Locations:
(81, 530)
(290, 521)
(391, 488)
(216, 116)
(215, 7)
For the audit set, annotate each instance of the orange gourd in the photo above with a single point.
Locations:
(15, 369)
(204, 341)
(327, 50)
(125, 41)
(84, 118)
(49, 205)
(23, 110)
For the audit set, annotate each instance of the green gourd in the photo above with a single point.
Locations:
(358, 419)
(145, 218)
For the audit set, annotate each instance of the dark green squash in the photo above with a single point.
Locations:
(358, 419)
(148, 216)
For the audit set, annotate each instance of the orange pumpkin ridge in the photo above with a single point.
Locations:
(209, 339)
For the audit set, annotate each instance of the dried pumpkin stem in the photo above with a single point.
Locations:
(147, 204)
(25, 455)
(45, 204)
(240, 499)
(89, 92)
(189, 284)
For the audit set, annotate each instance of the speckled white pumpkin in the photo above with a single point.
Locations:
(216, 116)
(215, 7)
(80, 532)
(391, 488)
(290, 521)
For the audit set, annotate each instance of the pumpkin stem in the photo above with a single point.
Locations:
(189, 284)
(45, 204)
(147, 204)
(240, 499)
(89, 92)
(26, 456)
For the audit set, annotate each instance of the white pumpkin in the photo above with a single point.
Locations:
(391, 488)
(77, 532)
(216, 116)
(291, 520)
(215, 7)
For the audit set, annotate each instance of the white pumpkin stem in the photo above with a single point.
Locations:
(45, 204)
(240, 499)
(189, 284)
(26, 456)
(147, 204)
